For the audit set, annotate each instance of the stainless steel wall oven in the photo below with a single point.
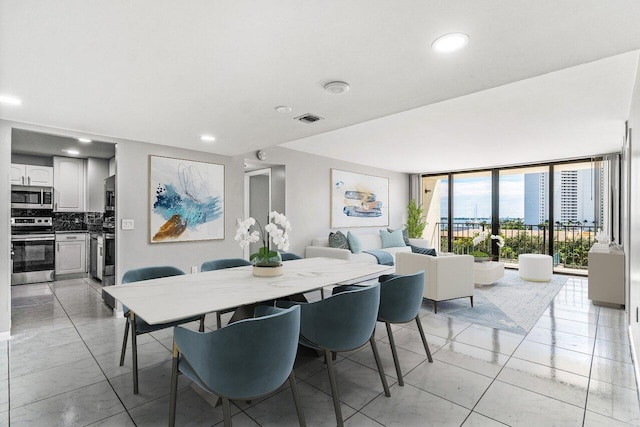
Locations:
(32, 250)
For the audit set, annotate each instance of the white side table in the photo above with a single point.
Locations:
(486, 273)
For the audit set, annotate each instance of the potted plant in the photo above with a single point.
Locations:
(416, 222)
(266, 262)
(480, 238)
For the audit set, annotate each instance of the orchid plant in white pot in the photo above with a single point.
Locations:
(480, 238)
(275, 231)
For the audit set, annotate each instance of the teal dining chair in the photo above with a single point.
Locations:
(219, 264)
(400, 302)
(137, 324)
(289, 256)
(242, 361)
(341, 322)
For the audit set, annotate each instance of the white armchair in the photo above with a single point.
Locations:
(446, 276)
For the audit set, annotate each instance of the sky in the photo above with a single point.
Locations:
(470, 193)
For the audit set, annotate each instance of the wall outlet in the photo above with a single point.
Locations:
(194, 269)
(127, 224)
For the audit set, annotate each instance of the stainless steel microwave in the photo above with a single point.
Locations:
(29, 197)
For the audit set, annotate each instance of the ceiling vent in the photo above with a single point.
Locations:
(308, 118)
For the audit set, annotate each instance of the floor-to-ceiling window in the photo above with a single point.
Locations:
(524, 211)
(435, 204)
(552, 209)
(472, 212)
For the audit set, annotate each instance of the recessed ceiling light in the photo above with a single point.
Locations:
(336, 88)
(10, 100)
(283, 109)
(450, 42)
(207, 138)
(84, 140)
(71, 151)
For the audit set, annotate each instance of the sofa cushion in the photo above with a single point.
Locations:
(392, 240)
(354, 243)
(338, 240)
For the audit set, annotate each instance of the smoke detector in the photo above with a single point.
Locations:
(336, 88)
(308, 118)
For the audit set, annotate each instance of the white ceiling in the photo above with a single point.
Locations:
(165, 72)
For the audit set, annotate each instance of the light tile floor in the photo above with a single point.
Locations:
(573, 368)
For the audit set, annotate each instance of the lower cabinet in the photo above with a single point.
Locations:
(71, 253)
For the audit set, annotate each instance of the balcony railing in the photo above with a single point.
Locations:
(571, 242)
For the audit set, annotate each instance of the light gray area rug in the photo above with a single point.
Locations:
(511, 304)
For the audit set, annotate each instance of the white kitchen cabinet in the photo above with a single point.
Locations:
(100, 258)
(69, 184)
(41, 176)
(71, 253)
(97, 172)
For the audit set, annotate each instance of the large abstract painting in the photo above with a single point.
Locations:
(358, 200)
(186, 200)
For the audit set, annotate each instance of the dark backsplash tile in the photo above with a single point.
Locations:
(77, 221)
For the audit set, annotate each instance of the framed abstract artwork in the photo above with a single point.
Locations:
(186, 200)
(358, 200)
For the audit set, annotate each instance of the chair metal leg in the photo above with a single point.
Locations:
(296, 399)
(226, 410)
(394, 353)
(201, 323)
(380, 370)
(471, 300)
(218, 320)
(134, 351)
(424, 340)
(321, 293)
(174, 387)
(124, 342)
(435, 307)
(334, 388)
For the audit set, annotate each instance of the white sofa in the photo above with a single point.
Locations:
(320, 248)
(446, 276)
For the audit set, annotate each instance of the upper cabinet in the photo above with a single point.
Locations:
(97, 172)
(69, 184)
(41, 176)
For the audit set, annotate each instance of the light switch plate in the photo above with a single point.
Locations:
(127, 224)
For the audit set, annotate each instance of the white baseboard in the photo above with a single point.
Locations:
(5, 336)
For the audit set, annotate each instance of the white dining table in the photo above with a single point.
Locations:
(173, 298)
(168, 299)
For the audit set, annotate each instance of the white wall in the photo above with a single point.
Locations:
(133, 249)
(632, 222)
(5, 229)
(307, 204)
(308, 193)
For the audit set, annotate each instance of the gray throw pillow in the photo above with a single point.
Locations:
(423, 251)
(338, 240)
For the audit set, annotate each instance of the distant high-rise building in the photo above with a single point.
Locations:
(573, 197)
(535, 202)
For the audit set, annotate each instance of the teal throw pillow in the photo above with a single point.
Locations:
(338, 240)
(405, 236)
(392, 240)
(354, 243)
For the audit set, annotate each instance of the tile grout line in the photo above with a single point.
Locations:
(90, 352)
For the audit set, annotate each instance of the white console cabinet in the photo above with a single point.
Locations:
(606, 276)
